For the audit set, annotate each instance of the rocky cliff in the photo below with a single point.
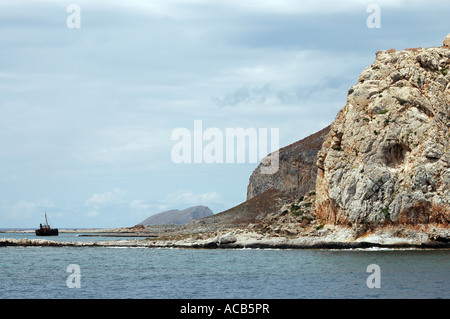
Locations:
(386, 158)
(297, 170)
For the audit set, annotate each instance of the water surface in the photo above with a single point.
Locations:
(41, 272)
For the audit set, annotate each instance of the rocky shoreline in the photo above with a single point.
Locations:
(332, 237)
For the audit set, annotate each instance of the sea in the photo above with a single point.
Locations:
(164, 273)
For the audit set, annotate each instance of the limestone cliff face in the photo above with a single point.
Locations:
(386, 157)
(297, 170)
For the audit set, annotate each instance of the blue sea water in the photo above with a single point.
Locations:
(41, 272)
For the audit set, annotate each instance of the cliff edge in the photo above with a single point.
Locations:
(386, 159)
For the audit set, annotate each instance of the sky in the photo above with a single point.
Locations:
(87, 110)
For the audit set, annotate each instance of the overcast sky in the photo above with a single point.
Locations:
(86, 114)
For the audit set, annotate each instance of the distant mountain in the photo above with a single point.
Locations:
(177, 217)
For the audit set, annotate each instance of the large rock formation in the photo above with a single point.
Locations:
(297, 169)
(177, 217)
(386, 158)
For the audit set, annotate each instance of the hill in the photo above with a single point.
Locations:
(177, 217)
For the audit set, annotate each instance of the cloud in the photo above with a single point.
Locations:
(118, 144)
(246, 94)
(92, 213)
(111, 206)
(28, 209)
(26, 206)
(291, 78)
(183, 8)
(107, 198)
(184, 198)
(140, 205)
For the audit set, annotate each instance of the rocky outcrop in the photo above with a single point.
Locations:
(447, 41)
(297, 218)
(386, 158)
(335, 237)
(297, 170)
(177, 217)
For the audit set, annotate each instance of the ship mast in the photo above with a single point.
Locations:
(46, 221)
